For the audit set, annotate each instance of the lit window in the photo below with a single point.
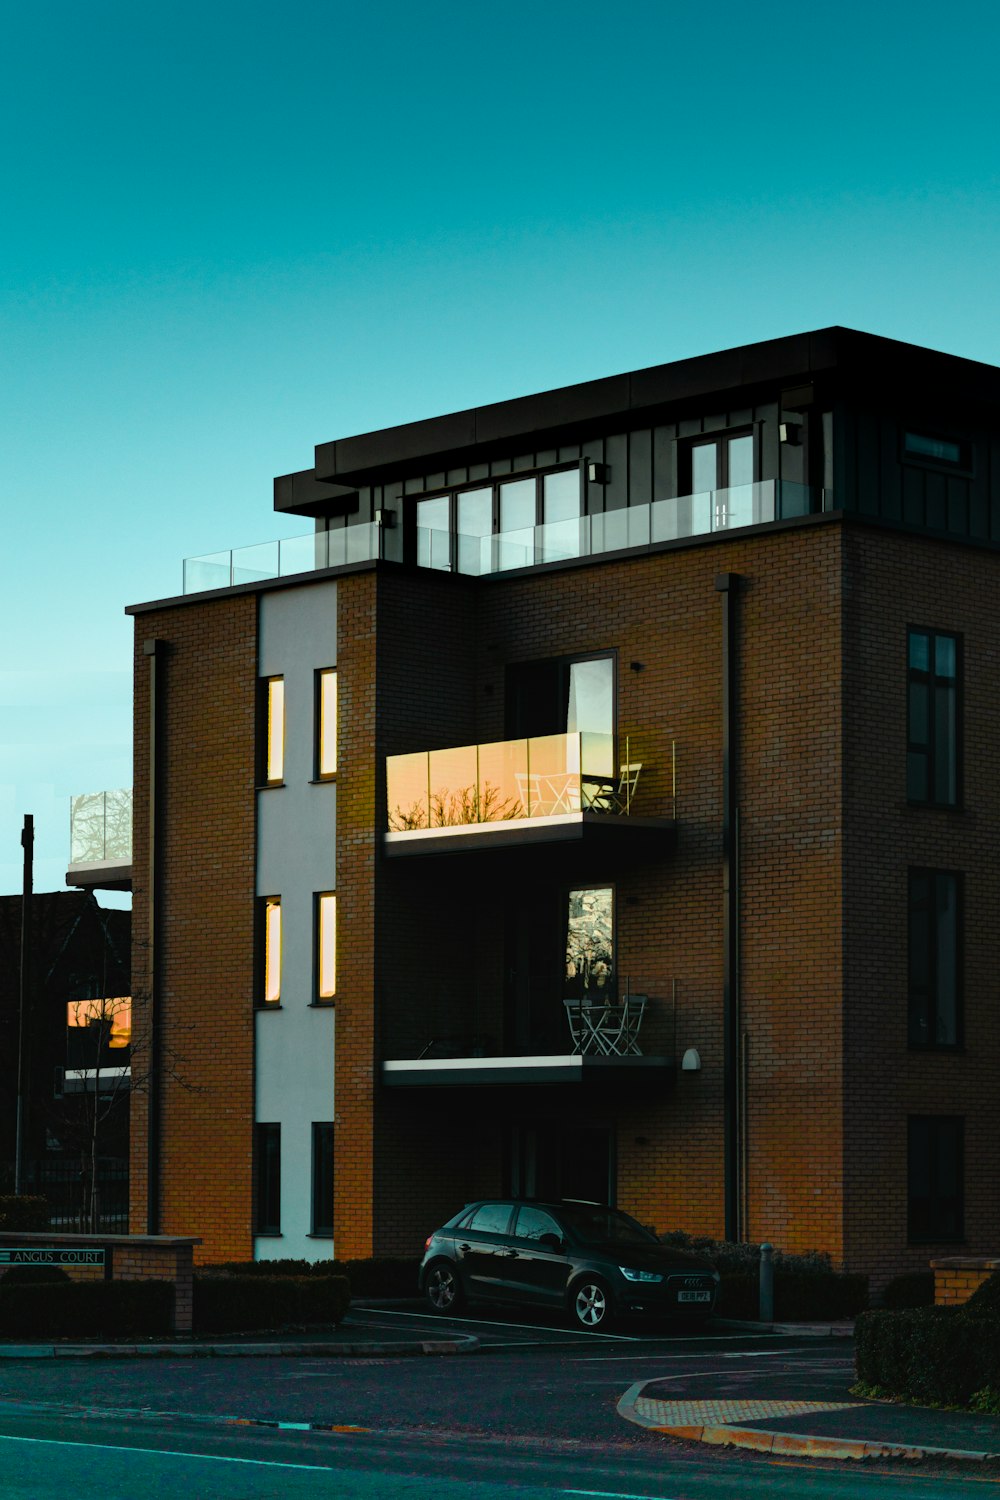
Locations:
(110, 1017)
(274, 768)
(272, 950)
(326, 723)
(326, 946)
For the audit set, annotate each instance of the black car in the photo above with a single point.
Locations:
(594, 1262)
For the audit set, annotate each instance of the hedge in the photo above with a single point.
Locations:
(384, 1277)
(912, 1289)
(798, 1295)
(86, 1309)
(24, 1213)
(238, 1304)
(933, 1355)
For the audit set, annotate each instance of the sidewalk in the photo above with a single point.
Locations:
(353, 1338)
(844, 1429)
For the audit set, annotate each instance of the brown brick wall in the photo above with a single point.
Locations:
(440, 961)
(892, 581)
(205, 930)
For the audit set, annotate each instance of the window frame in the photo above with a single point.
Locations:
(264, 735)
(493, 482)
(720, 440)
(319, 724)
(569, 986)
(265, 905)
(322, 1133)
(923, 917)
(935, 685)
(318, 953)
(933, 1233)
(267, 1177)
(961, 465)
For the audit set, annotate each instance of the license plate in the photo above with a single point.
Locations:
(694, 1296)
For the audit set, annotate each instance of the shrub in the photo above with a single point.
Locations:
(23, 1213)
(912, 1289)
(33, 1275)
(805, 1285)
(87, 1309)
(384, 1277)
(238, 1304)
(934, 1355)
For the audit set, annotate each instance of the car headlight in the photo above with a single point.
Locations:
(631, 1275)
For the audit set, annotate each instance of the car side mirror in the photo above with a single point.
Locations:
(552, 1242)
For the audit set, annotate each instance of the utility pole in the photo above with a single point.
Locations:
(24, 994)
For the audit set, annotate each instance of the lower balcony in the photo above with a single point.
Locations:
(605, 1041)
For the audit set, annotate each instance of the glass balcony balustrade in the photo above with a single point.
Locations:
(100, 827)
(507, 781)
(559, 541)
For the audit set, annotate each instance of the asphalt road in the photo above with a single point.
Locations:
(533, 1414)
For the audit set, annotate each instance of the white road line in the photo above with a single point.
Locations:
(215, 1458)
(615, 1495)
(665, 1354)
(622, 1338)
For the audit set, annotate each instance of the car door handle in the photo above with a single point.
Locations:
(510, 1255)
(465, 1249)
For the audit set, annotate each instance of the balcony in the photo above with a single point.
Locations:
(100, 839)
(553, 789)
(637, 526)
(606, 1041)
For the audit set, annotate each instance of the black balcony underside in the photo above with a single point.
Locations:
(594, 830)
(571, 1070)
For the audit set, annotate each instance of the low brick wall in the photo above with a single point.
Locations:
(956, 1278)
(127, 1257)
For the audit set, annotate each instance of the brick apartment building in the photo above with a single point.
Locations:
(601, 801)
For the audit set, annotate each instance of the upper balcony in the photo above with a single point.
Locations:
(100, 838)
(636, 526)
(556, 788)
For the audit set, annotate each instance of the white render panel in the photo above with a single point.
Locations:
(296, 858)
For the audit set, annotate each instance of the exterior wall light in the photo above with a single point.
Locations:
(691, 1061)
(597, 473)
(790, 433)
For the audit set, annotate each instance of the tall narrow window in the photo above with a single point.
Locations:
(274, 730)
(270, 992)
(935, 1171)
(933, 770)
(326, 723)
(326, 947)
(934, 942)
(590, 953)
(267, 1179)
(322, 1178)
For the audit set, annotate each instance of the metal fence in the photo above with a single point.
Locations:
(67, 1188)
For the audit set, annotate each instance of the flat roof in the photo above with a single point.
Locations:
(571, 412)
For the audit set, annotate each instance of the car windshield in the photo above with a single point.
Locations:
(601, 1226)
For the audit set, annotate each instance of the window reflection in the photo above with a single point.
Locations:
(326, 728)
(326, 946)
(590, 967)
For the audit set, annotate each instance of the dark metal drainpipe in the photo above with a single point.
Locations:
(727, 585)
(154, 651)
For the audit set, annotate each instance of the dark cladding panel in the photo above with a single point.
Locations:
(616, 489)
(958, 505)
(408, 443)
(552, 409)
(914, 509)
(302, 494)
(868, 462)
(640, 467)
(936, 491)
(664, 463)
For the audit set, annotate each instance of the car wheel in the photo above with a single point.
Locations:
(442, 1287)
(590, 1304)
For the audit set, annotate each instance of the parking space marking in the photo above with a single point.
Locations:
(622, 1338)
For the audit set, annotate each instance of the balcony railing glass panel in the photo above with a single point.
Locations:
(519, 545)
(100, 827)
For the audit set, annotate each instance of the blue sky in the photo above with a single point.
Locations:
(229, 232)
